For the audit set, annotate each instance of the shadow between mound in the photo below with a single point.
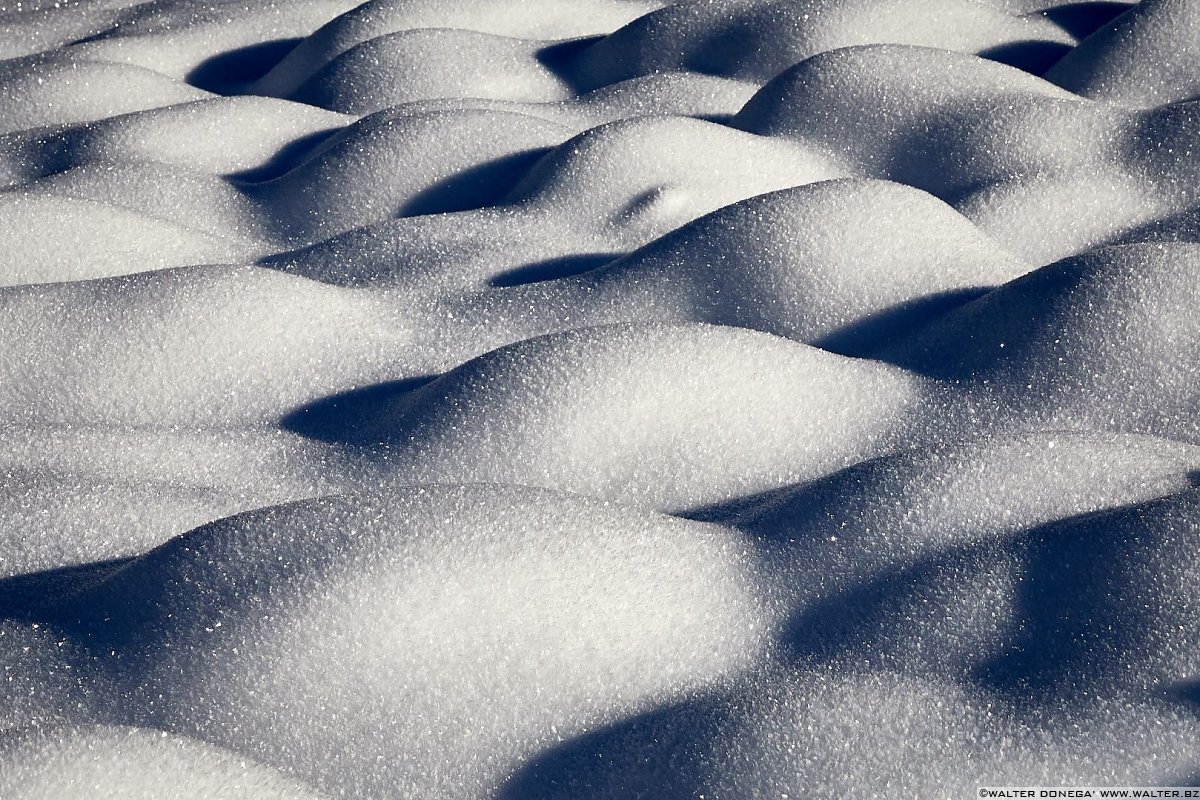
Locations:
(484, 184)
(660, 754)
(726, 512)
(1081, 20)
(560, 58)
(1034, 56)
(1187, 692)
(865, 337)
(552, 269)
(1066, 622)
(287, 158)
(1081, 608)
(347, 417)
(864, 624)
(46, 596)
(1181, 227)
(230, 72)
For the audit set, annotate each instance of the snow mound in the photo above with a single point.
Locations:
(431, 63)
(405, 163)
(218, 45)
(1043, 171)
(61, 89)
(1102, 341)
(195, 347)
(220, 135)
(527, 19)
(44, 683)
(640, 175)
(672, 416)
(108, 240)
(842, 264)
(79, 763)
(677, 93)
(1106, 604)
(877, 735)
(608, 190)
(380, 645)
(919, 562)
(891, 513)
(837, 263)
(756, 39)
(820, 733)
(1149, 56)
(76, 497)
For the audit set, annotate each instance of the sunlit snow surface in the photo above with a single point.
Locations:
(527, 399)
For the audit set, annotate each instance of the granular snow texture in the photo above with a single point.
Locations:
(522, 399)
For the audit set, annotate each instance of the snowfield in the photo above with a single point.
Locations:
(598, 399)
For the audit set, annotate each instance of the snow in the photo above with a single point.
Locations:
(1101, 341)
(356, 640)
(612, 399)
(707, 412)
(98, 761)
(1143, 58)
